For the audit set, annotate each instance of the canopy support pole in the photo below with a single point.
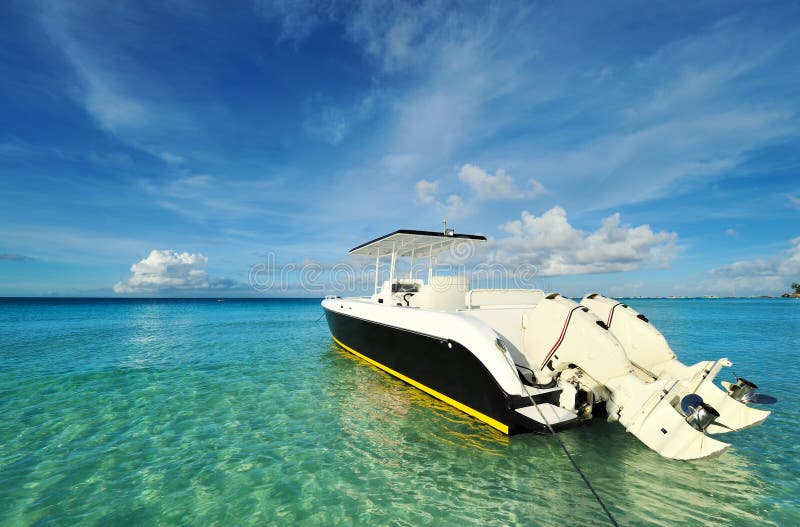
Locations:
(430, 265)
(377, 267)
(391, 268)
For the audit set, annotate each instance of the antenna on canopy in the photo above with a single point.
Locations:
(447, 232)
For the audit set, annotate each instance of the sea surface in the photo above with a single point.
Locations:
(243, 412)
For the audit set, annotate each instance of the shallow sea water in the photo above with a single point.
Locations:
(244, 412)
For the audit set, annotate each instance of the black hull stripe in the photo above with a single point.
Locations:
(440, 367)
(442, 397)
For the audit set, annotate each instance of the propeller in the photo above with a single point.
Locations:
(761, 398)
(699, 414)
(745, 391)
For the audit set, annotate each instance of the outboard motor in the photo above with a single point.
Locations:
(650, 353)
(745, 391)
(742, 390)
(699, 414)
(565, 340)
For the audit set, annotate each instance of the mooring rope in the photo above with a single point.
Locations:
(564, 448)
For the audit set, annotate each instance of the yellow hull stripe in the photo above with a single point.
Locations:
(442, 397)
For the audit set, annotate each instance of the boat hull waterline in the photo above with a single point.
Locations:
(442, 368)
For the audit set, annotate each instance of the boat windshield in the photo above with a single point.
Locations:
(404, 288)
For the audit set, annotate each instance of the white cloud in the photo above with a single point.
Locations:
(397, 163)
(484, 187)
(298, 18)
(327, 123)
(556, 248)
(170, 158)
(14, 149)
(426, 191)
(390, 32)
(499, 186)
(452, 207)
(203, 197)
(675, 115)
(101, 94)
(112, 110)
(170, 270)
(537, 189)
(456, 208)
(732, 233)
(770, 274)
(120, 93)
(794, 202)
(786, 264)
(332, 121)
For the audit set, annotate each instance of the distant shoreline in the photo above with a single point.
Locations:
(309, 298)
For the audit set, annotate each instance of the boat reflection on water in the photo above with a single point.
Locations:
(665, 492)
(387, 428)
(388, 413)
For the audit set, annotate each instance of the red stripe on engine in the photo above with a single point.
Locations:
(611, 314)
(560, 338)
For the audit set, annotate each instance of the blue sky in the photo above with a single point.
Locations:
(165, 148)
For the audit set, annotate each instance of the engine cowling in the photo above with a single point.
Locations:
(561, 332)
(650, 353)
(561, 336)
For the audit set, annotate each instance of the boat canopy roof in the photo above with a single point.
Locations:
(420, 243)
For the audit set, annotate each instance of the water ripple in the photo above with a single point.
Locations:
(244, 413)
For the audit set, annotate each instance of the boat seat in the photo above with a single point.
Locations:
(484, 298)
(441, 293)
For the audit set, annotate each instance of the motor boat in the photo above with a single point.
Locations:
(522, 360)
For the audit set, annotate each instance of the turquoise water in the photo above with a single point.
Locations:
(243, 412)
